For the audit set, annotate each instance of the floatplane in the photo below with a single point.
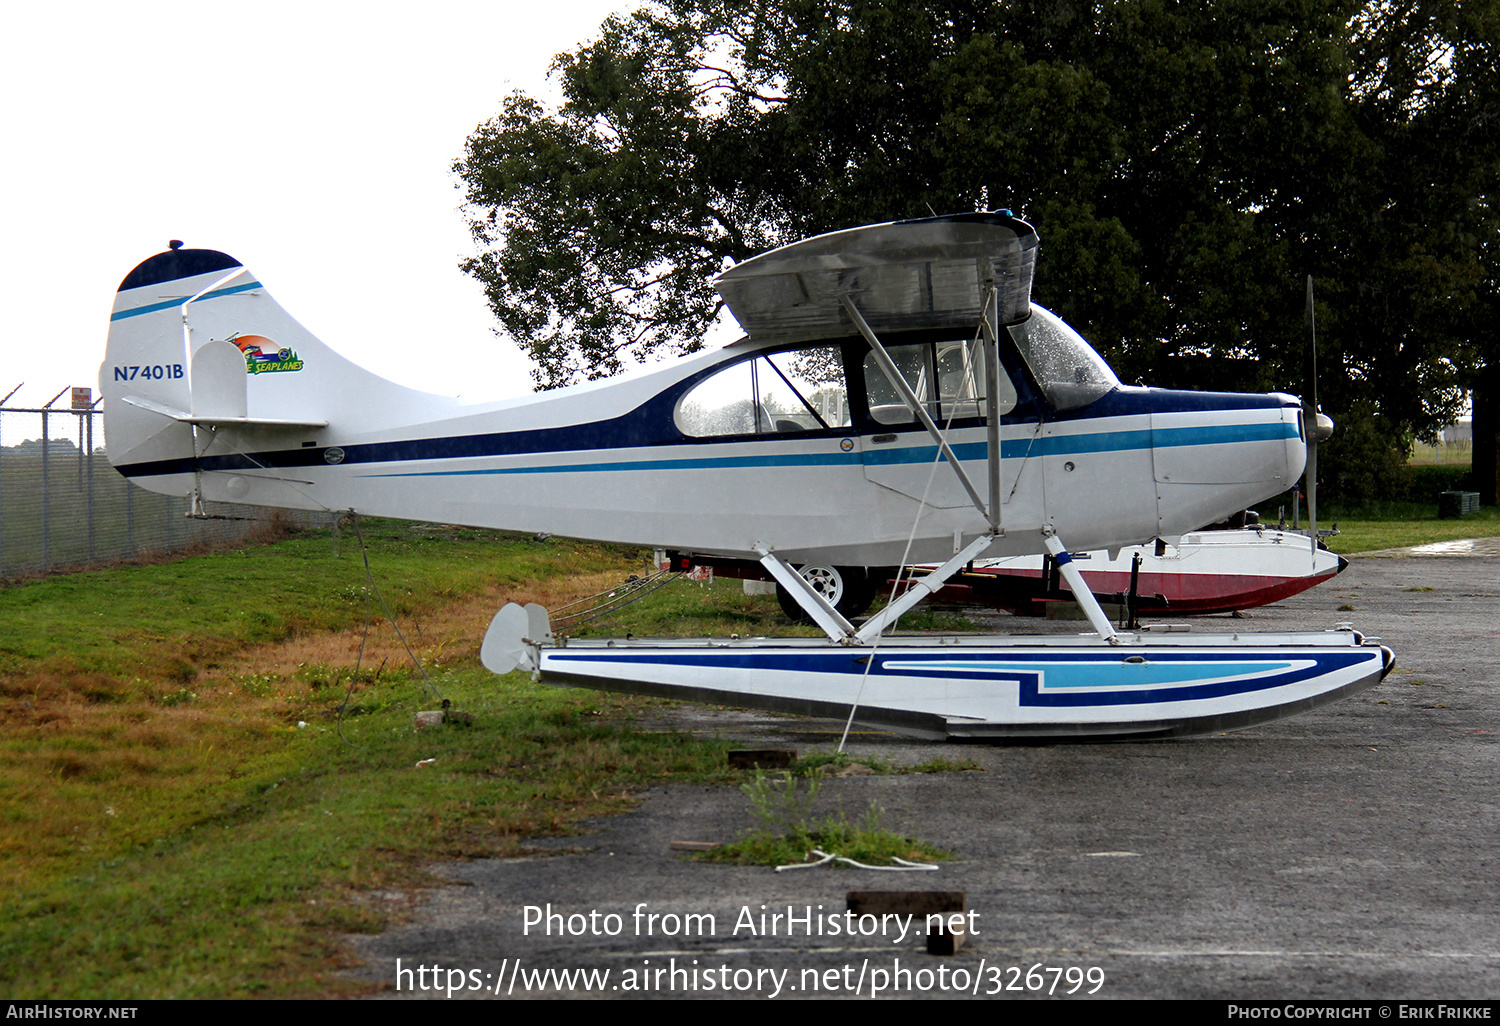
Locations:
(897, 399)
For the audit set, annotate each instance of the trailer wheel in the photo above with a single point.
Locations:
(847, 589)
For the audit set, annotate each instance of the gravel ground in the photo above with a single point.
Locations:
(1348, 853)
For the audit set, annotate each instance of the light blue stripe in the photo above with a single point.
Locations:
(170, 303)
(1098, 441)
(1062, 445)
(1223, 434)
(1095, 674)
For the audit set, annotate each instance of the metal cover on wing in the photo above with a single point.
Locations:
(928, 273)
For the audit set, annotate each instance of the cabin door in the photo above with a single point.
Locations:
(948, 379)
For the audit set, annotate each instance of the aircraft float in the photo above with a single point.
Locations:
(897, 399)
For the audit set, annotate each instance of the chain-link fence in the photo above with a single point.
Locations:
(63, 505)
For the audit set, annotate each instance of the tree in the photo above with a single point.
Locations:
(1187, 166)
(1410, 265)
(602, 223)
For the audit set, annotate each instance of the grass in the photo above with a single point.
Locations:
(816, 764)
(1461, 453)
(208, 770)
(1397, 525)
(131, 628)
(184, 810)
(788, 834)
(244, 897)
(831, 836)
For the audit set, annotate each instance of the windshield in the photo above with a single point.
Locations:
(1070, 373)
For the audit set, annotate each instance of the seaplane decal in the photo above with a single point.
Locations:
(897, 399)
(263, 356)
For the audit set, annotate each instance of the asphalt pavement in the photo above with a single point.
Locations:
(1348, 853)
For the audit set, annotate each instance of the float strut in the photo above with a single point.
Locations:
(1081, 593)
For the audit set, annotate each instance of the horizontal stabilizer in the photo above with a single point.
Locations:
(211, 421)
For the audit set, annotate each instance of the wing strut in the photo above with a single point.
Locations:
(1082, 594)
(992, 402)
(990, 511)
(898, 382)
(833, 623)
(922, 587)
(816, 606)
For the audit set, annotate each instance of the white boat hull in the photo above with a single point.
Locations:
(1207, 572)
(997, 687)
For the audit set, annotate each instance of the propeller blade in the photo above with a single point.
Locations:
(1311, 382)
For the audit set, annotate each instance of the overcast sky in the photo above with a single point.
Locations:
(311, 140)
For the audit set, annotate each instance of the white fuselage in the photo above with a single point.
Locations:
(609, 461)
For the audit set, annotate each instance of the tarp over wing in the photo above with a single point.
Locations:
(927, 273)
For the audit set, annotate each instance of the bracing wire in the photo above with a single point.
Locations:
(358, 661)
(369, 587)
(615, 599)
(291, 483)
(372, 588)
(604, 609)
(904, 572)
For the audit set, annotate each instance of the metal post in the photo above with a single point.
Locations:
(129, 518)
(1133, 621)
(46, 497)
(2, 494)
(89, 416)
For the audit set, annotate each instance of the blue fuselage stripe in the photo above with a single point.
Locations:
(1059, 445)
(173, 303)
(809, 459)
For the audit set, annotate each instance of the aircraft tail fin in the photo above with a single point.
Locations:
(202, 361)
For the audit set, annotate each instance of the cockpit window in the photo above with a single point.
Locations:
(1070, 373)
(947, 377)
(772, 394)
